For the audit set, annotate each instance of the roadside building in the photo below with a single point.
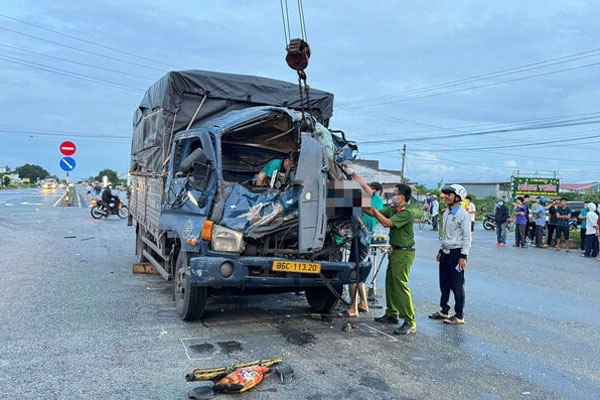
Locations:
(389, 178)
(581, 188)
(481, 190)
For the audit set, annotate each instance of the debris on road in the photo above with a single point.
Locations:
(285, 372)
(207, 374)
(242, 380)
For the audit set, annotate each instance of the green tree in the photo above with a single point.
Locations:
(32, 171)
(110, 174)
(6, 180)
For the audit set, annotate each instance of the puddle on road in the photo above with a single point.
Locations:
(297, 337)
(202, 348)
(230, 346)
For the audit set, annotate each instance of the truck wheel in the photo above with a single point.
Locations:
(321, 300)
(190, 301)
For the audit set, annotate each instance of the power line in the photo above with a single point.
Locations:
(526, 144)
(479, 86)
(82, 50)
(71, 74)
(479, 125)
(64, 134)
(535, 65)
(74, 62)
(566, 123)
(89, 41)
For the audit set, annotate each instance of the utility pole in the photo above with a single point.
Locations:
(403, 162)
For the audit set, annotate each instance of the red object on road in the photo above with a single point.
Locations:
(67, 148)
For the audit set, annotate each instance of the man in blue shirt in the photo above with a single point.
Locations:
(582, 217)
(539, 218)
(521, 217)
(271, 168)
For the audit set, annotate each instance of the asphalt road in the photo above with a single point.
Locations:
(76, 324)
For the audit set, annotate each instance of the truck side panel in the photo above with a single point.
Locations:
(145, 201)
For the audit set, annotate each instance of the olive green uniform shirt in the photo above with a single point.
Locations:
(401, 234)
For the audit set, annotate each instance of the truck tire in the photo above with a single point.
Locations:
(190, 301)
(321, 300)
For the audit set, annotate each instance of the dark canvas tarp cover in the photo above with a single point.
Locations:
(170, 103)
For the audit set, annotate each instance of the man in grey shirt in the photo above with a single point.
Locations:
(454, 249)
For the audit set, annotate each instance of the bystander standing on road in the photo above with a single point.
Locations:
(552, 221)
(471, 209)
(582, 229)
(400, 220)
(529, 226)
(435, 213)
(521, 221)
(539, 218)
(563, 214)
(501, 216)
(454, 248)
(591, 241)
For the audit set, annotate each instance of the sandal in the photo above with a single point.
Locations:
(346, 314)
(438, 315)
(363, 309)
(454, 321)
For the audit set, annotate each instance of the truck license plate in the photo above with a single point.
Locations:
(296, 266)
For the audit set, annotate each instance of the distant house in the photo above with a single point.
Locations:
(480, 190)
(389, 178)
(582, 188)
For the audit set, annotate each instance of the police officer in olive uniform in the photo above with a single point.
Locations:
(398, 298)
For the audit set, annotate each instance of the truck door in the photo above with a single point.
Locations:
(311, 174)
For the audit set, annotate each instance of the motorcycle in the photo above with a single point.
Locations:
(489, 224)
(102, 210)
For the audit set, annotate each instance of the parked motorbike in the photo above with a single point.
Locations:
(102, 210)
(489, 224)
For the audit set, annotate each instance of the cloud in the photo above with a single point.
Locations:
(510, 163)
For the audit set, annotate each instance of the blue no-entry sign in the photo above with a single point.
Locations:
(67, 164)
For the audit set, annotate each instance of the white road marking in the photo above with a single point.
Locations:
(59, 199)
(186, 350)
(26, 203)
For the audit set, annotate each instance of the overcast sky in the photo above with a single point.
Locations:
(379, 58)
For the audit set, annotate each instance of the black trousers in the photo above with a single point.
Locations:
(583, 240)
(551, 230)
(452, 280)
(520, 235)
(539, 235)
(591, 245)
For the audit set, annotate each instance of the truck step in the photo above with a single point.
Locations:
(157, 265)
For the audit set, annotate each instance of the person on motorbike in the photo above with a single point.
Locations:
(111, 202)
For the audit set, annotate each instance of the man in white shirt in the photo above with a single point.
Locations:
(435, 213)
(591, 230)
(471, 209)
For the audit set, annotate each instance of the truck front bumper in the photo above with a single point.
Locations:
(257, 272)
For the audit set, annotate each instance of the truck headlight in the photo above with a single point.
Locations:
(228, 240)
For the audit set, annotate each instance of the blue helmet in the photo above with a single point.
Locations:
(543, 201)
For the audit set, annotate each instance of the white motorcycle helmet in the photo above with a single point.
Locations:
(458, 190)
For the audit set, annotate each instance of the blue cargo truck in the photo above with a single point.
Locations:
(199, 141)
